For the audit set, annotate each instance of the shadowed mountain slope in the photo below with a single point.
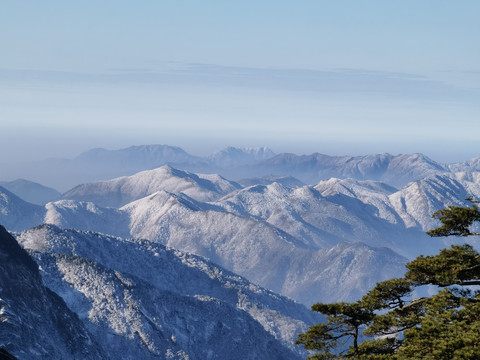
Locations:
(158, 301)
(35, 322)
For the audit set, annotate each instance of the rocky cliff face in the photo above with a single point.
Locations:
(35, 323)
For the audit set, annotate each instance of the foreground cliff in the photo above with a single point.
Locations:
(35, 323)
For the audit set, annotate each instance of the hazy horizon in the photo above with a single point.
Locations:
(337, 78)
(209, 149)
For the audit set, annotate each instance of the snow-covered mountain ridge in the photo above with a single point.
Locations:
(394, 170)
(157, 299)
(235, 164)
(121, 191)
(267, 233)
(317, 216)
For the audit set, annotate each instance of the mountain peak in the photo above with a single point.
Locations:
(120, 191)
(233, 156)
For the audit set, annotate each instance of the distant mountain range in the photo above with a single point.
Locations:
(31, 191)
(102, 164)
(234, 164)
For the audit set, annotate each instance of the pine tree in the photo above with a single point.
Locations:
(394, 326)
(344, 324)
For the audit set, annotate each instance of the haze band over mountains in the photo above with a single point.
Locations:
(238, 164)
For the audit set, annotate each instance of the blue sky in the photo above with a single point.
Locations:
(336, 77)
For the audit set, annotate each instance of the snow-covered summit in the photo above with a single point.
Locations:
(121, 191)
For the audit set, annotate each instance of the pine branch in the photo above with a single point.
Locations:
(415, 302)
(461, 283)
